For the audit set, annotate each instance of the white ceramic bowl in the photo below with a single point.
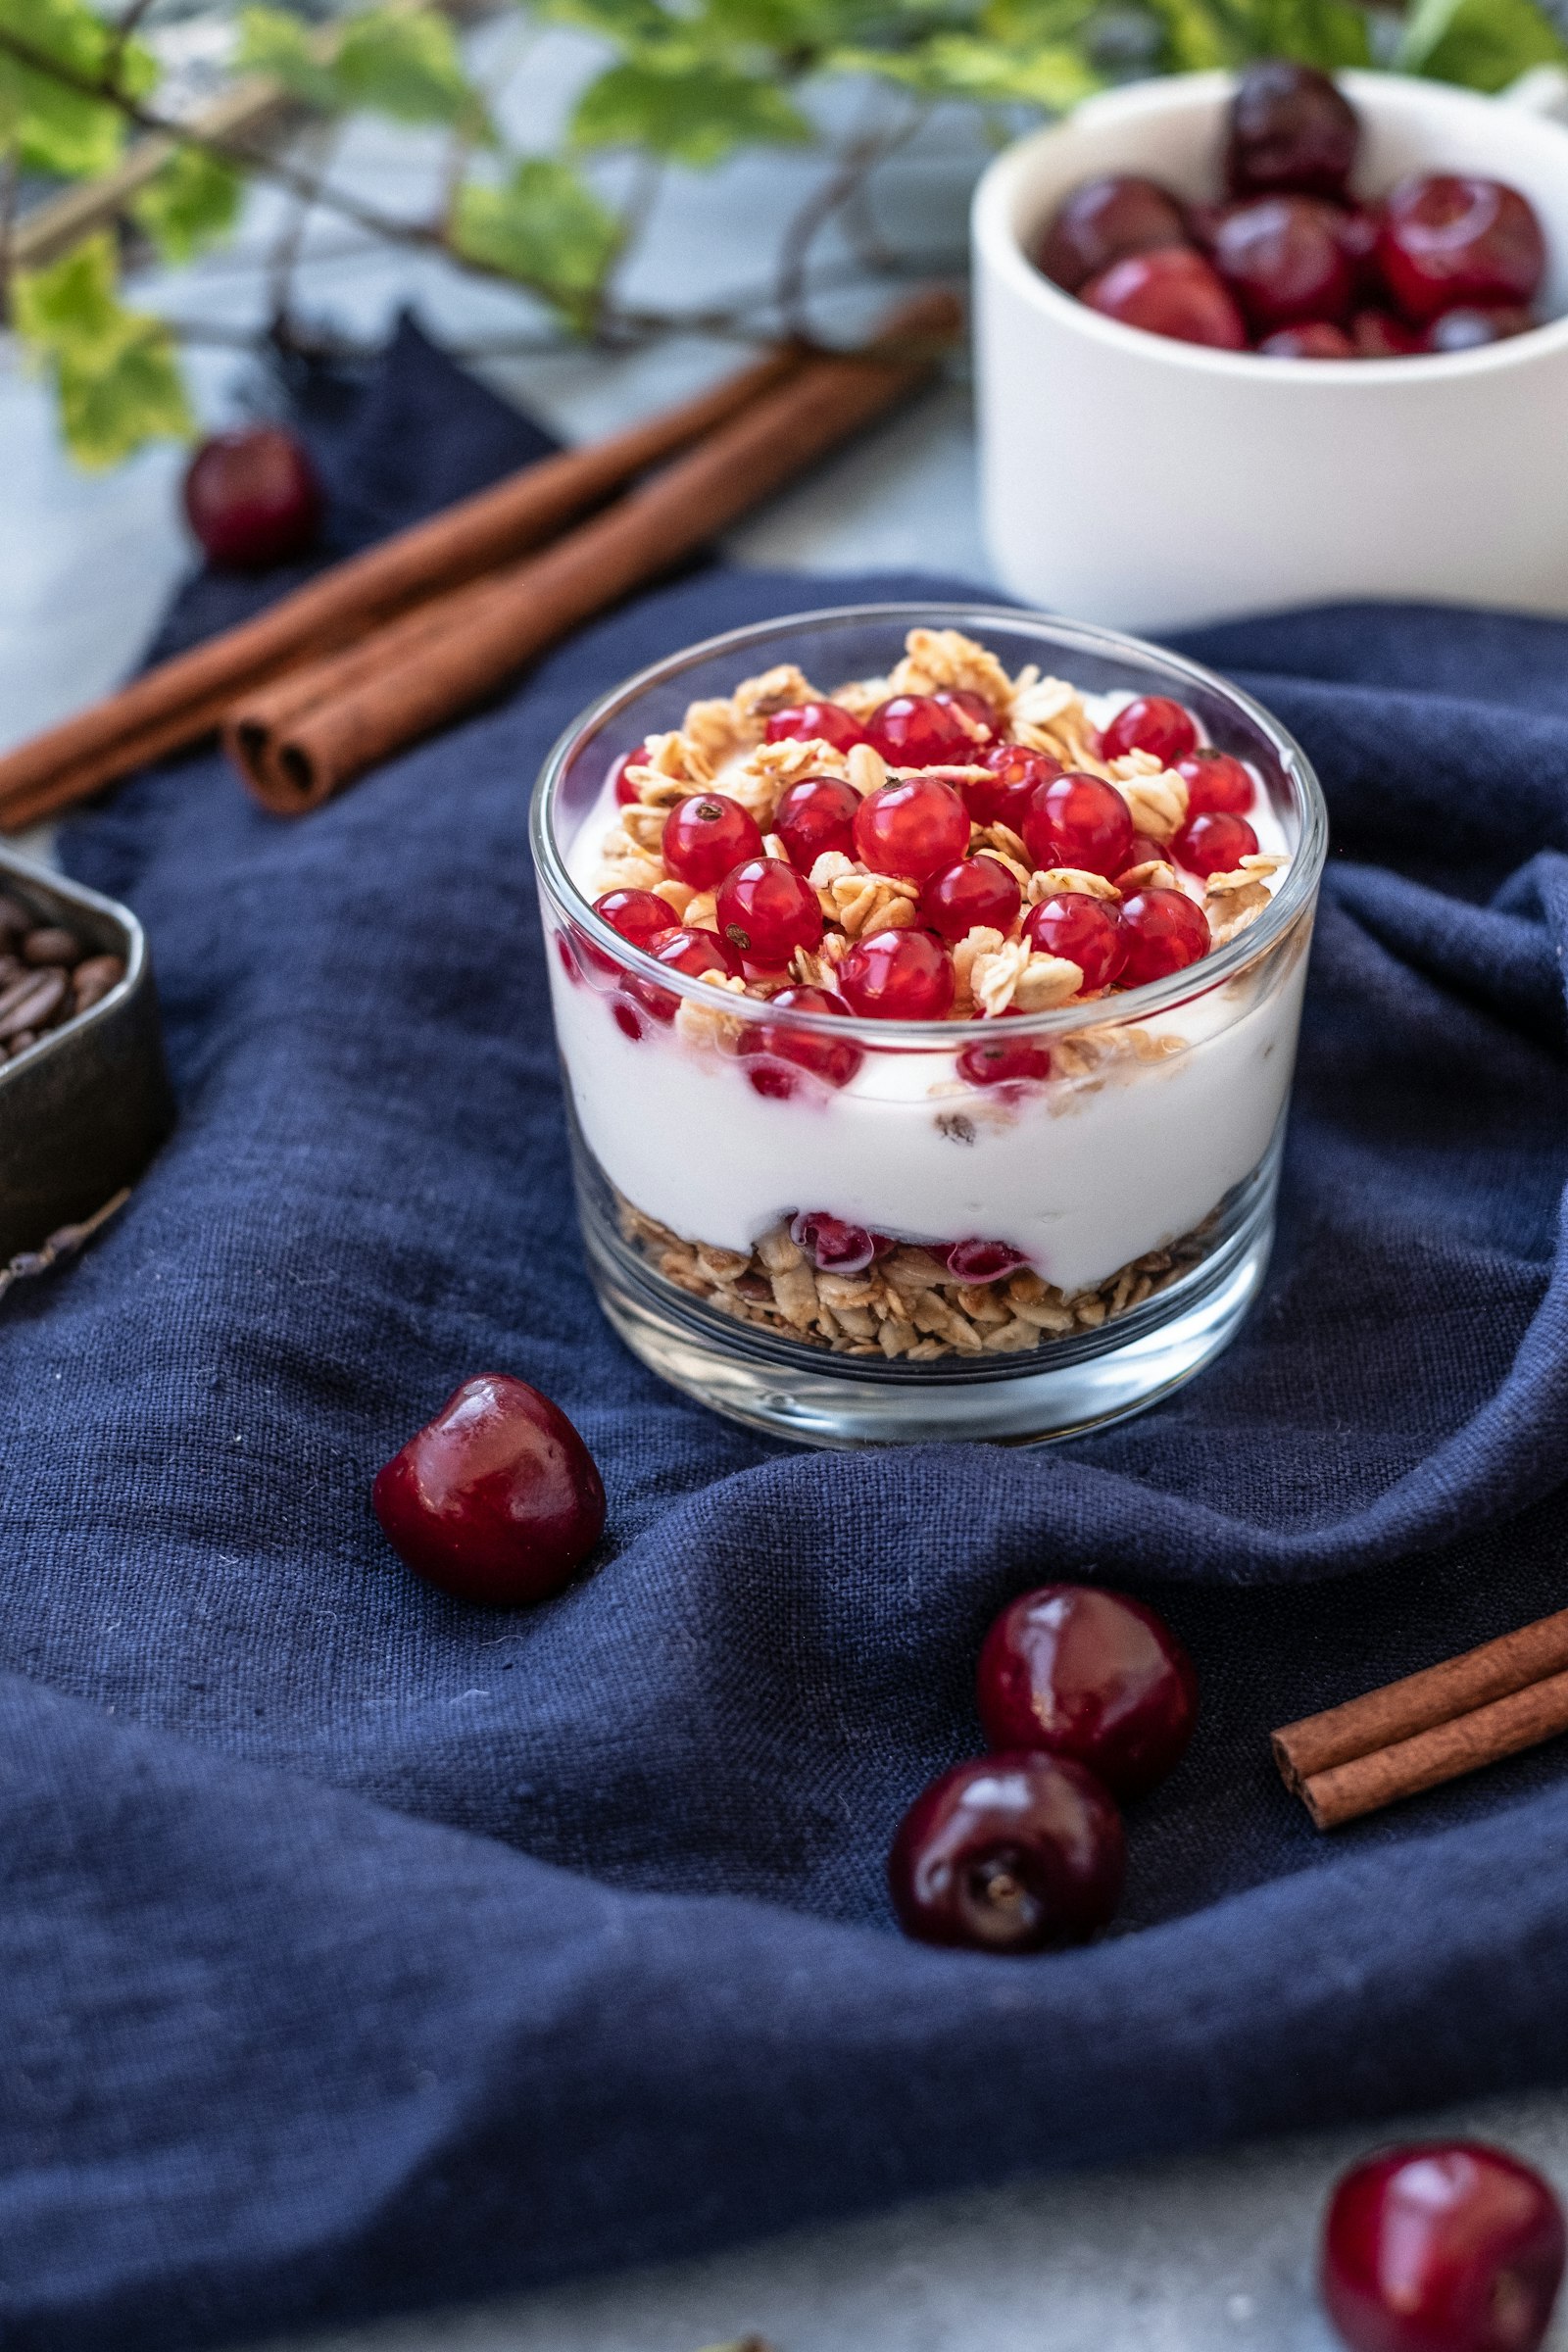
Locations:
(1133, 480)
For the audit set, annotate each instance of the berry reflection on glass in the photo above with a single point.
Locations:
(768, 1044)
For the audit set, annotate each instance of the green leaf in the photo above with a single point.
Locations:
(1196, 36)
(1484, 44)
(546, 227)
(621, 21)
(270, 41)
(114, 371)
(967, 65)
(53, 128)
(407, 66)
(687, 112)
(193, 202)
(1319, 32)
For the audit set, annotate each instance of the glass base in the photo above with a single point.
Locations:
(822, 1399)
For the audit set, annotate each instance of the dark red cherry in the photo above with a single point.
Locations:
(625, 789)
(832, 1246)
(816, 722)
(1283, 260)
(816, 815)
(916, 730)
(1164, 932)
(982, 1261)
(766, 910)
(1103, 221)
(1017, 771)
(976, 891)
(1446, 2246)
(1091, 1674)
(253, 498)
(1085, 930)
(497, 1499)
(1214, 844)
(1079, 821)
(772, 1043)
(1290, 132)
(1020, 1853)
(1379, 335)
(1313, 339)
(1213, 781)
(639, 916)
(898, 977)
(1153, 723)
(705, 835)
(1471, 328)
(1004, 1062)
(1450, 238)
(1170, 293)
(980, 716)
(1358, 228)
(912, 829)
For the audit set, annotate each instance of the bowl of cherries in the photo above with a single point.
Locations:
(1257, 340)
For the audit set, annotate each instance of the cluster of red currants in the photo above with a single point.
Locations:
(917, 829)
(1291, 265)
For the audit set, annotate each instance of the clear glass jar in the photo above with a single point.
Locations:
(1127, 1195)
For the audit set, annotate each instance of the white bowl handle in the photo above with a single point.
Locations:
(1543, 90)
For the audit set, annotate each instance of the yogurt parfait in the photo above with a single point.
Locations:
(927, 985)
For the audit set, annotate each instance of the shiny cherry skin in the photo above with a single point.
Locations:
(1004, 1062)
(913, 829)
(898, 977)
(1164, 932)
(976, 891)
(1214, 844)
(1085, 930)
(639, 916)
(1379, 335)
(832, 1246)
(1283, 259)
(1472, 327)
(766, 909)
(625, 789)
(979, 716)
(1080, 822)
(1172, 293)
(1447, 2246)
(916, 730)
(692, 951)
(816, 815)
(497, 1499)
(1103, 220)
(1289, 132)
(253, 498)
(1009, 1853)
(1017, 772)
(770, 1043)
(1215, 781)
(816, 722)
(1313, 339)
(1091, 1674)
(1153, 723)
(705, 835)
(1451, 238)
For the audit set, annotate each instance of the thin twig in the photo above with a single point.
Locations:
(283, 260)
(120, 39)
(856, 161)
(10, 195)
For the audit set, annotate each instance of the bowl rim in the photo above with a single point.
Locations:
(1295, 897)
(998, 245)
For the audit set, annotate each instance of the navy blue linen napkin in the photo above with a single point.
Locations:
(360, 1947)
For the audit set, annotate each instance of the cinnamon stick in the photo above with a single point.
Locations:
(1430, 1726)
(184, 699)
(299, 741)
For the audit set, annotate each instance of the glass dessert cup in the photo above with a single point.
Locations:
(851, 1230)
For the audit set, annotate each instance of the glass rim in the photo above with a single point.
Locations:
(1294, 896)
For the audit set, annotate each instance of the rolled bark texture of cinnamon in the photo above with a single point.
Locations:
(302, 738)
(1428, 1728)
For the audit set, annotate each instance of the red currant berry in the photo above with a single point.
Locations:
(1283, 259)
(1313, 339)
(766, 909)
(684, 950)
(912, 829)
(976, 891)
(984, 725)
(832, 1246)
(1003, 1061)
(629, 1020)
(1290, 132)
(816, 815)
(625, 789)
(1215, 781)
(705, 835)
(1153, 723)
(1378, 335)
(1091, 1674)
(816, 722)
(1078, 822)
(639, 916)
(1214, 844)
(1143, 851)
(253, 498)
(1008, 1854)
(916, 730)
(1450, 238)
(1470, 329)
(1171, 293)
(1085, 930)
(1017, 772)
(1102, 222)
(982, 1261)
(497, 1499)
(898, 977)
(1452, 2246)
(1164, 932)
(774, 1043)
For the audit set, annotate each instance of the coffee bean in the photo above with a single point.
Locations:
(14, 918)
(51, 945)
(22, 1040)
(32, 1002)
(93, 978)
